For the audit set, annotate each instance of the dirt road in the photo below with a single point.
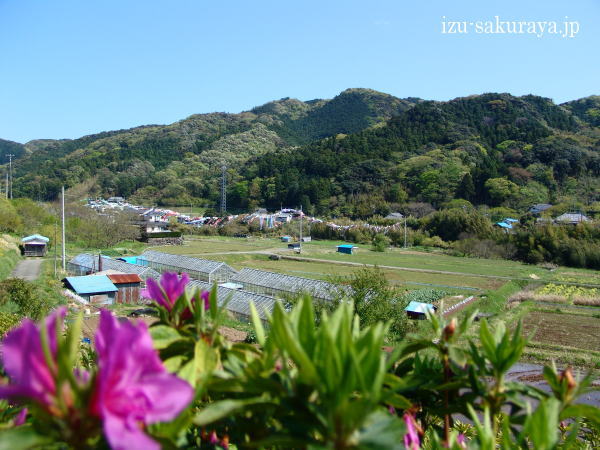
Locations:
(28, 269)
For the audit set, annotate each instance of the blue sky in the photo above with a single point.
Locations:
(71, 68)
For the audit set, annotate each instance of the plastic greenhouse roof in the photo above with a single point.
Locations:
(286, 283)
(238, 301)
(90, 262)
(184, 262)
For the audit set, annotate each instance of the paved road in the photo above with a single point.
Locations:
(28, 269)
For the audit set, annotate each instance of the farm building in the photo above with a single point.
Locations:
(418, 310)
(128, 285)
(277, 284)
(572, 218)
(96, 289)
(86, 263)
(539, 208)
(238, 301)
(196, 268)
(346, 248)
(35, 245)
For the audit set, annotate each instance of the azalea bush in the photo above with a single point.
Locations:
(329, 383)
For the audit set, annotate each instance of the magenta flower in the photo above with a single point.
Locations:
(170, 288)
(133, 389)
(24, 362)
(20, 417)
(204, 296)
(411, 438)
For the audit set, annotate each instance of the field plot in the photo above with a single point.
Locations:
(194, 246)
(580, 331)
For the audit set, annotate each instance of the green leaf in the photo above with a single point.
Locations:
(199, 369)
(23, 437)
(221, 409)
(163, 336)
(258, 326)
(582, 410)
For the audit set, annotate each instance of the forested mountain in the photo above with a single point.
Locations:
(10, 148)
(359, 154)
(493, 148)
(126, 160)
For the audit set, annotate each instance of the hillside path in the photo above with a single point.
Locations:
(28, 269)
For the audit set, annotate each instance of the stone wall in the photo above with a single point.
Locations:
(166, 241)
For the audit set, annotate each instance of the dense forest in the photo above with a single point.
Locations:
(359, 154)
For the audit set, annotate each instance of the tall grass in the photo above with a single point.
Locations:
(9, 255)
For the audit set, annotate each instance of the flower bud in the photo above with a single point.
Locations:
(449, 329)
(567, 374)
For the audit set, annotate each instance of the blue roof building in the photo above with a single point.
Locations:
(93, 288)
(346, 248)
(418, 310)
(504, 225)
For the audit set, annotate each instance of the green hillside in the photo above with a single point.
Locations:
(358, 154)
(203, 142)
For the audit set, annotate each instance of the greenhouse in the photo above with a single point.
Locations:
(277, 284)
(196, 268)
(238, 301)
(86, 263)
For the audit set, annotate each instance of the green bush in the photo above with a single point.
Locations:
(25, 296)
(7, 321)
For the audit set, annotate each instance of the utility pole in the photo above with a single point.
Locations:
(62, 197)
(10, 157)
(404, 231)
(55, 247)
(6, 191)
(301, 214)
(224, 189)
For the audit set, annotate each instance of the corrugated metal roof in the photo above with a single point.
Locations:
(35, 237)
(184, 262)
(91, 284)
(124, 278)
(419, 307)
(286, 283)
(90, 262)
(238, 301)
(346, 246)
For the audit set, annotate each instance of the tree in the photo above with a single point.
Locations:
(501, 189)
(466, 189)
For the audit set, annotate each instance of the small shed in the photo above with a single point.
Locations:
(35, 245)
(286, 239)
(418, 310)
(96, 289)
(346, 248)
(128, 285)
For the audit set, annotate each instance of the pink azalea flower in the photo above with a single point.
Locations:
(204, 296)
(411, 438)
(170, 288)
(24, 362)
(20, 417)
(133, 389)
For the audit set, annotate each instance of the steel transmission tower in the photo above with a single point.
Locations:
(224, 189)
